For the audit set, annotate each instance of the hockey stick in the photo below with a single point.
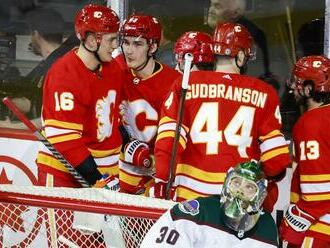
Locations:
(60, 157)
(44, 140)
(291, 36)
(186, 73)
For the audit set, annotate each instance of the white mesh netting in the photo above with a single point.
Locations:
(32, 216)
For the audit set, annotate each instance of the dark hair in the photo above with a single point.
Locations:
(49, 24)
(205, 67)
(320, 97)
(162, 12)
(310, 37)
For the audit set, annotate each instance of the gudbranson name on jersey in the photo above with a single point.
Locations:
(228, 92)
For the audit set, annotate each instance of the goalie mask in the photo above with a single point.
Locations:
(242, 195)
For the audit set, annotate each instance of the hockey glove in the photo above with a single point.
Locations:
(158, 190)
(137, 153)
(108, 182)
(294, 225)
(88, 170)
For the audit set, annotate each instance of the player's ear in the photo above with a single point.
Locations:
(240, 58)
(153, 48)
(36, 34)
(308, 90)
(90, 41)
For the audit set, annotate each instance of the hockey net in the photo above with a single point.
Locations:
(32, 216)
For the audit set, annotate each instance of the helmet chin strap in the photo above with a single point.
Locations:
(96, 54)
(143, 65)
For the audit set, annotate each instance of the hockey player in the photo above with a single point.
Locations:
(233, 219)
(200, 45)
(143, 96)
(80, 105)
(228, 118)
(307, 221)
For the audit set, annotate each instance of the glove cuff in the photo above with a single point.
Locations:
(298, 219)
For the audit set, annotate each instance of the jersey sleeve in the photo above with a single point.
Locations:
(165, 234)
(166, 133)
(63, 114)
(273, 146)
(312, 172)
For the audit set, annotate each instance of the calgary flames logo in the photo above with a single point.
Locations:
(104, 115)
(19, 224)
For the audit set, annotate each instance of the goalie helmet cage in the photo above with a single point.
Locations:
(33, 216)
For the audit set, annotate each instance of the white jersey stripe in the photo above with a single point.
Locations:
(109, 160)
(52, 131)
(272, 143)
(202, 187)
(325, 218)
(171, 127)
(315, 187)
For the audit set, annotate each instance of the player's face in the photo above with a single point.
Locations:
(298, 90)
(34, 44)
(218, 11)
(109, 43)
(136, 50)
(243, 188)
(224, 11)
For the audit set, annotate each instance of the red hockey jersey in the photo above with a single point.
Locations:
(142, 104)
(228, 119)
(310, 188)
(80, 115)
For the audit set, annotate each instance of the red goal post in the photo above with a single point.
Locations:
(32, 216)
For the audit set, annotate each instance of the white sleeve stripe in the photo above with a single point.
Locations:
(201, 187)
(135, 170)
(109, 160)
(315, 187)
(272, 143)
(325, 218)
(53, 131)
(171, 127)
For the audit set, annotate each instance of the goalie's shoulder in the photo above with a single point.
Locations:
(198, 210)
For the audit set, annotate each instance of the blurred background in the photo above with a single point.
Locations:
(31, 30)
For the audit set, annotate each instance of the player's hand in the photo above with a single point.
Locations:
(137, 153)
(108, 182)
(294, 225)
(158, 190)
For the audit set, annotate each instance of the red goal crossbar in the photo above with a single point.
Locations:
(32, 216)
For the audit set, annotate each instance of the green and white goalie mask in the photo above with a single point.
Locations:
(242, 195)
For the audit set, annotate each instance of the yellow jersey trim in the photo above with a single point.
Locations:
(270, 134)
(63, 124)
(104, 153)
(271, 154)
(64, 138)
(211, 177)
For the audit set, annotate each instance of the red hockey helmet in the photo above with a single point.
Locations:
(314, 68)
(199, 44)
(230, 38)
(96, 19)
(145, 26)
